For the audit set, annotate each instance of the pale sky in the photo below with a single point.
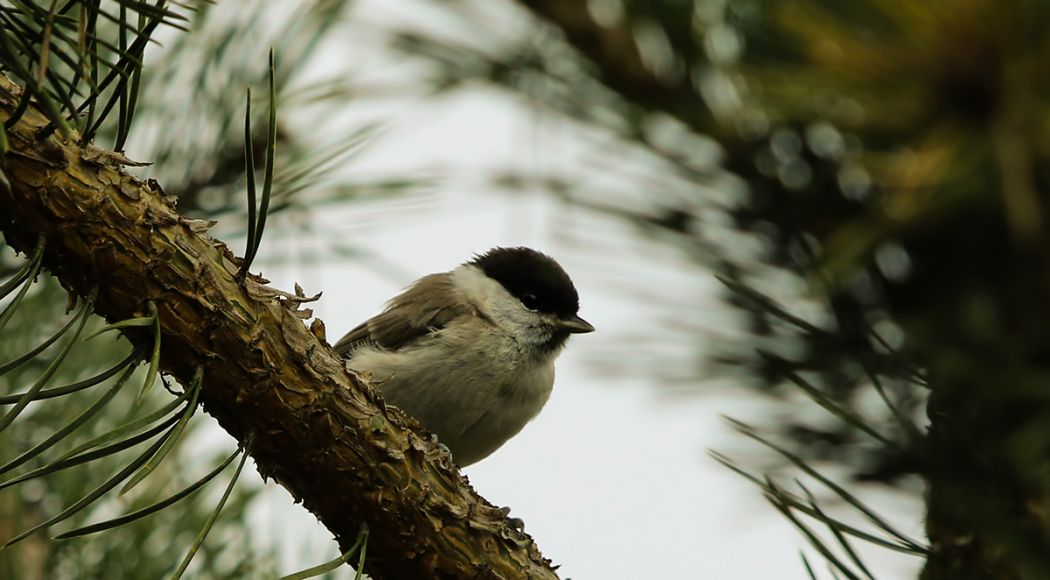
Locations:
(611, 479)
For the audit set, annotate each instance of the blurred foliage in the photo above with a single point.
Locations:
(882, 163)
(146, 548)
(166, 82)
(81, 57)
(867, 178)
(189, 123)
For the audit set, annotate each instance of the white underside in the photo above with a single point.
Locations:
(472, 383)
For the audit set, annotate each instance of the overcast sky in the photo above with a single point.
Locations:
(612, 479)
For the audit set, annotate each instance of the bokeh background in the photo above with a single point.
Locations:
(795, 223)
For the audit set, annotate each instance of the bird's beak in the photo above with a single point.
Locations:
(575, 325)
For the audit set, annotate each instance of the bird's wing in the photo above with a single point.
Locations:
(428, 306)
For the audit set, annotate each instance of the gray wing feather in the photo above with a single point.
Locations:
(428, 306)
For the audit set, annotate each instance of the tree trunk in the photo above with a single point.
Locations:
(325, 437)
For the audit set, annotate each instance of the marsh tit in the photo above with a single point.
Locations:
(470, 353)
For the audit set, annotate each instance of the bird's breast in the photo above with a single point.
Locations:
(474, 397)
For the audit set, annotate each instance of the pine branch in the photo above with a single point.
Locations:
(614, 51)
(321, 434)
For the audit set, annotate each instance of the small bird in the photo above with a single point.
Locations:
(470, 353)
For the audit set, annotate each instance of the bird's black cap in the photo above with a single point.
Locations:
(534, 278)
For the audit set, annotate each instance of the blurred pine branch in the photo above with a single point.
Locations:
(885, 157)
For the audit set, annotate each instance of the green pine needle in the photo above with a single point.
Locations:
(211, 521)
(106, 451)
(128, 323)
(21, 360)
(95, 494)
(29, 395)
(195, 390)
(151, 509)
(80, 419)
(331, 565)
(154, 359)
(257, 219)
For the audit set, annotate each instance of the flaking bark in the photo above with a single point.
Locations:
(316, 430)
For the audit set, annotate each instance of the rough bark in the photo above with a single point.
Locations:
(320, 433)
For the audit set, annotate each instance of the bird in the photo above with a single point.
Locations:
(470, 352)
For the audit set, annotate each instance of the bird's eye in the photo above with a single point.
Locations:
(530, 300)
